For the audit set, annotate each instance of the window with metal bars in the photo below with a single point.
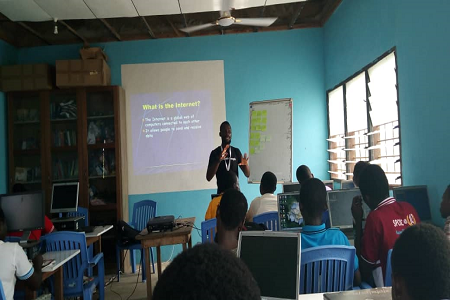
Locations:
(363, 121)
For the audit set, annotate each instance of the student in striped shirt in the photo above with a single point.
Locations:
(445, 211)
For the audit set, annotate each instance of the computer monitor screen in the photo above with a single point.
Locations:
(65, 197)
(329, 184)
(289, 211)
(417, 196)
(347, 185)
(276, 277)
(339, 207)
(24, 211)
(291, 187)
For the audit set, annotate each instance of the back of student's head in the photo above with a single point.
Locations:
(229, 181)
(313, 198)
(357, 170)
(421, 259)
(373, 183)
(268, 183)
(303, 173)
(18, 188)
(232, 209)
(206, 272)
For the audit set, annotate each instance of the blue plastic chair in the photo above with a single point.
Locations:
(142, 212)
(2, 292)
(75, 269)
(327, 269)
(81, 212)
(388, 276)
(209, 230)
(270, 219)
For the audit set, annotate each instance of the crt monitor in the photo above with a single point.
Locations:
(347, 185)
(417, 196)
(289, 211)
(65, 197)
(289, 187)
(273, 259)
(23, 211)
(339, 207)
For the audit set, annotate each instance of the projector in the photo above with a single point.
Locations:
(162, 223)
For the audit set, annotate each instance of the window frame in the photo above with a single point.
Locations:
(370, 127)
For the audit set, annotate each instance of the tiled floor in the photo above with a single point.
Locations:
(123, 289)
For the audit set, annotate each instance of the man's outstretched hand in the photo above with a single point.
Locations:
(224, 152)
(244, 160)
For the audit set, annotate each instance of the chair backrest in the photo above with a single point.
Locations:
(76, 267)
(81, 212)
(327, 269)
(12, 239)
(142, 212)
(209, 230)
(270, 219)
(2, 292)
(388, 276)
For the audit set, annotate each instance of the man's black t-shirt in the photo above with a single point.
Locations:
(234, 160)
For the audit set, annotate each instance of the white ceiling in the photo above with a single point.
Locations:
(45, 10)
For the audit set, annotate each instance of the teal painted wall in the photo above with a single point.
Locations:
(8, 56)
(359, 32)
(284, 64)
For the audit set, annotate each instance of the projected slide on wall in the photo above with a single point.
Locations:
(168, 130)
(173, 114)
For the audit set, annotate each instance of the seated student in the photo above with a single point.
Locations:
(34, 234)
(14, 263)
(386, 221)
(303, 173)
(268, 201)
(445, 211)
(206, 272)
(230, 181)
(230, 218)
(357, 170)
(421, 264)
(313, 202)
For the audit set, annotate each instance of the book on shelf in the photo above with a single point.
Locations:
(65, 169)
(64, 138)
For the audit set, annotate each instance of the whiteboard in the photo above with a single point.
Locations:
(270, 139)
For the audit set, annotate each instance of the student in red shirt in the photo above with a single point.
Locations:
(386, 221)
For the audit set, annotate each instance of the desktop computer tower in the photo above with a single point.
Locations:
(69, 224)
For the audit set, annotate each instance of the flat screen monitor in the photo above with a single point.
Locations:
(347, 185)
(329, 184)
(23, 211)
(417, 196)
(289, 214)
(277, 277)
(339, 207)
(65, 197)
(290, 187)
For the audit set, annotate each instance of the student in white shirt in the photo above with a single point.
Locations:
(267, 201)
(14, 263)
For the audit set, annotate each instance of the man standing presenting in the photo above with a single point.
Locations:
(226, 158)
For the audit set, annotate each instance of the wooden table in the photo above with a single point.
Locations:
(96, 236)
(55, 268)
(179, 235)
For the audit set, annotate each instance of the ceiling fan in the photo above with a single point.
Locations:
(226, 19)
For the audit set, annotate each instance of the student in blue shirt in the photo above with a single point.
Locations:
(313, 202)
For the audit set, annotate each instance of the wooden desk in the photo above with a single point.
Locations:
(55, 268)
(180, 235)
(96, 236)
